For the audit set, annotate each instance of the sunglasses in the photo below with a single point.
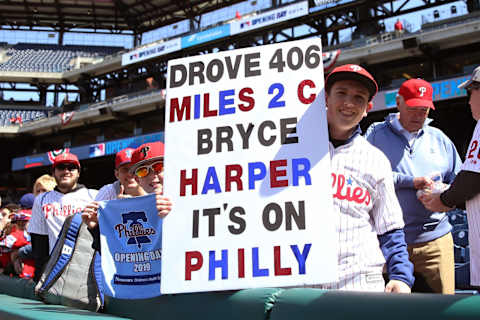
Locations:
(145, 170)
(66, 166)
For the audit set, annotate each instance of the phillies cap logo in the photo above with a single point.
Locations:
(355, 68)
(422, 91)
(128, 153)
(144, 151)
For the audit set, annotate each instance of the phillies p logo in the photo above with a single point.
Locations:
(422, 91)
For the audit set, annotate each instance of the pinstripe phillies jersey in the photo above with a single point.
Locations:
(108, 192)
(366, 204)
(50, 210)
(472, 163)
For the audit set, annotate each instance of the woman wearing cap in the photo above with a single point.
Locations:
(370, 225)
(465, 189)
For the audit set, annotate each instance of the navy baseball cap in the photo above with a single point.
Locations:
(26, 201)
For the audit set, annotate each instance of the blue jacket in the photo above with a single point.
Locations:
(432, 151)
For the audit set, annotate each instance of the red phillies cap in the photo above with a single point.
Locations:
(147, 152)
(123, 157)
(417, 93)
(66, 157)
(352, 72)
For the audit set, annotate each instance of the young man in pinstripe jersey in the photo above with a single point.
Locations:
(370, 223)
(465, 189)
(50, 209)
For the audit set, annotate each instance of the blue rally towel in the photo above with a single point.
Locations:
(131, 242)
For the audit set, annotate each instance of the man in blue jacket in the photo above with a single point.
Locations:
(416, 152)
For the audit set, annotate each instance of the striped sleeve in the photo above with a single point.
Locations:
(107, 192)
(386, 211)
(37, 223)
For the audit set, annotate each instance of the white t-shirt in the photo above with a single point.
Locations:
(50, 210)
(472, 163)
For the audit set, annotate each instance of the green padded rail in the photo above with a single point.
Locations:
(18, 308)
(330, 305)
(252, 304)
(249, 304)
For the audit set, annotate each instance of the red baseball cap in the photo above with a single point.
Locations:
(123, 157)
(352, 72)
(146, 152)
(417, 93)
(66, 157)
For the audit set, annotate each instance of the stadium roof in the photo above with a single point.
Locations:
(94, 15)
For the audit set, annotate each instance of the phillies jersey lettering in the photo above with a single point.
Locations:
(472, 163)
(50, 210)
(350, 193)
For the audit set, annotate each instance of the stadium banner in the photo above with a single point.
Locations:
(248, 171)
(206, 36)
(85, 152)
(269, 18)
(442, 90)
(150, 52)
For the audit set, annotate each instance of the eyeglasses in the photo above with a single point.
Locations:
(145, 170)
(66, 166)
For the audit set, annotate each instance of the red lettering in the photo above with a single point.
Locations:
(472, 149)
(241, 263)
(229, 177)
(275, 173)
(189, 266)
(184, 181)
(300, 92)
(175, 109)
(279, 271)
(359, 195)
(206, 107)
(245, 98)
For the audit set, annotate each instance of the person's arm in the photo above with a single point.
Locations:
(394, 249)
(40, 252)
(465, 186)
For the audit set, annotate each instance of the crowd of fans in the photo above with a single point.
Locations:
(16, 257)
(403, 217)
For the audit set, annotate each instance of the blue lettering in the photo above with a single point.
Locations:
(214, 184)
(256, 271)
(196, 111)
(223, 101)
(301, 257)
(252, 176)
(222, 263)
(298, 172)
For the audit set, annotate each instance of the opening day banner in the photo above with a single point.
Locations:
(248, 171)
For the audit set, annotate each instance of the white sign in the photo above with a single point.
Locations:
(270, 17)
(151, 51)
(248, 170)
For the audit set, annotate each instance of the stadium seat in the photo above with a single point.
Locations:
(26, 57)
